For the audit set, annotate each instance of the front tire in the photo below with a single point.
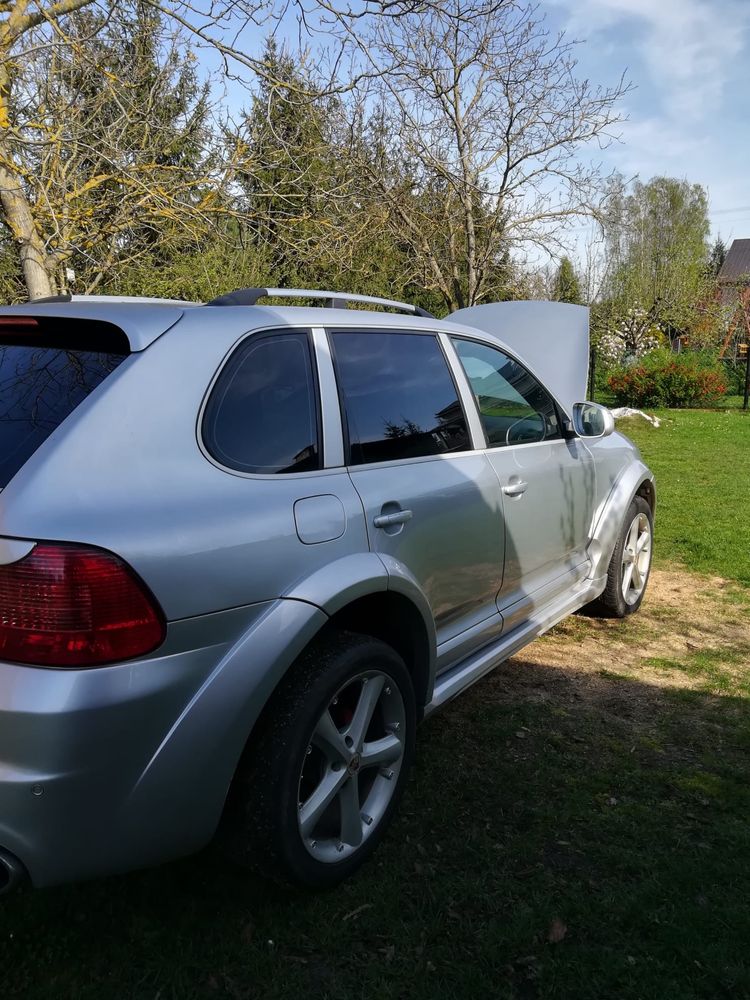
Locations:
(319, 784)
(630, 566)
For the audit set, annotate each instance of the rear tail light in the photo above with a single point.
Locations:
(71, 606)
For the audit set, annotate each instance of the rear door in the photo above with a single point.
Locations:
(431, 502)
(548, 482)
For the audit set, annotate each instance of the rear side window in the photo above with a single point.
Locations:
(262, 415)
(41, 385)
(399, 397)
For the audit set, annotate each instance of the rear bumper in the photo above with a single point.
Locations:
(124, 766)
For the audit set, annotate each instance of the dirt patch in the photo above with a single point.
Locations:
(684, 614)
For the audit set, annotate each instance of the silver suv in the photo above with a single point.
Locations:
(245, 549)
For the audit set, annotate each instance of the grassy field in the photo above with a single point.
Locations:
(701, 460)
(576, 825)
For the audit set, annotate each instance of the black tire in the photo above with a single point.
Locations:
(260, 828)
(612, 603)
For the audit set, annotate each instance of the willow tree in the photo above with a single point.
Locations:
(658, 257)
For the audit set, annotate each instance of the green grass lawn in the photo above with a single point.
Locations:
(567, 833)
(701, 460)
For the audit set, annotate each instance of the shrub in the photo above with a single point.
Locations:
(735, 377)
(663, 378)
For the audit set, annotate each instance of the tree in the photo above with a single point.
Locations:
(477, 121)
(306, 205)
(566, 287)
(717, 256)
(59, 78)
(655, 239)
(292, 173)
(106, 157)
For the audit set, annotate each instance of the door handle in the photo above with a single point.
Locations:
(515, 489)
(387, 520)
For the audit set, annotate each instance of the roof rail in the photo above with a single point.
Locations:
(334, 300)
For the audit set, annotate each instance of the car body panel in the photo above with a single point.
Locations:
(76, 488)
(453, 543)
(134, 760)
(545, 542)
(138, 776)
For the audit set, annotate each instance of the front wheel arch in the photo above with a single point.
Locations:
(613, 602)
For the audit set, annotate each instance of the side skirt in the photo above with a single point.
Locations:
(466, 672)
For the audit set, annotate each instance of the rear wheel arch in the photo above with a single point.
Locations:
(264, 822)
(395, 620)
(389, 616)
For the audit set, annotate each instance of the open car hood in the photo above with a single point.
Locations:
(552, 338)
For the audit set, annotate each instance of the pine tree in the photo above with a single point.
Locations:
(567, 287)
(717, 256)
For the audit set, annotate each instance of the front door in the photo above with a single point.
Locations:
(547, 482)
(431, 503)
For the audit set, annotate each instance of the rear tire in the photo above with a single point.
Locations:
(321, 779)
(630, 566)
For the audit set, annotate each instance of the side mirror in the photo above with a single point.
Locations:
(591, 420)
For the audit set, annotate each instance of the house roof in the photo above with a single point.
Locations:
(737, 262)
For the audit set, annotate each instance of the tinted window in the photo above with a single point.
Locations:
(399, 397)
(262, 415)
(39, 387)
(514, 407)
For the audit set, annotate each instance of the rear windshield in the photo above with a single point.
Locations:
(40, 385)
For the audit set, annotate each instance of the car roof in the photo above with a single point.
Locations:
(143, 320)
(550, 338)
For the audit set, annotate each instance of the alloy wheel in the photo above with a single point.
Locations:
(349, 773)
(636, 558)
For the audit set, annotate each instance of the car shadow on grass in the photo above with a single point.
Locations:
(563, 835)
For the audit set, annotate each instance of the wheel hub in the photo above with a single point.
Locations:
(354, 764)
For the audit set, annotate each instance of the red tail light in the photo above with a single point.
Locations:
(70, 606)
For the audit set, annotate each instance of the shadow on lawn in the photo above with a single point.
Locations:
(615, 807)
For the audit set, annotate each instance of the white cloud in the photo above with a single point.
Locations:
(687, 46)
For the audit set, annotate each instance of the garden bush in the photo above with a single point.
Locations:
(663, 378)
(735, 377)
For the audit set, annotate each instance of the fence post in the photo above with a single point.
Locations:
(592, 373)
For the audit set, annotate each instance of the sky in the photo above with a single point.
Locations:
(689, 109)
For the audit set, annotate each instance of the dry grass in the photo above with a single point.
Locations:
(683, 614)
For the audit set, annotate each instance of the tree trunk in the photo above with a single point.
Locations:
(17, 214)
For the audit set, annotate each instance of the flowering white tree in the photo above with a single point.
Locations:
(632, 335)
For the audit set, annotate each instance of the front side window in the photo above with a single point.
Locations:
(262, 415)
(513, 406)
(398, 395)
